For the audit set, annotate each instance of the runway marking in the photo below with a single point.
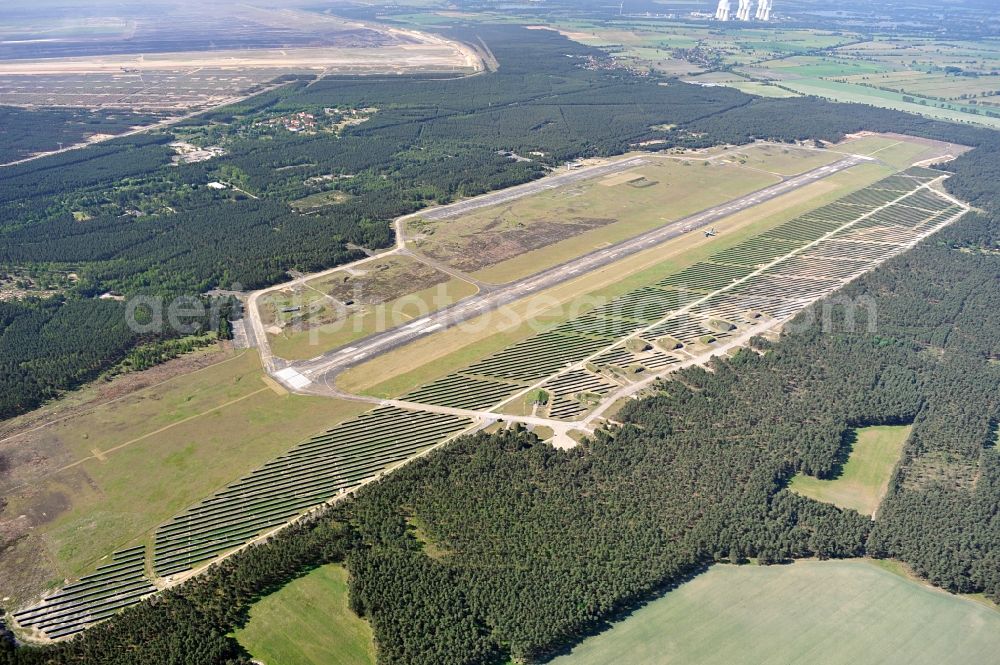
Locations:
(293, 378)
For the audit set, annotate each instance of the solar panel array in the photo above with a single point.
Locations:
(311, 473)
(109, 589)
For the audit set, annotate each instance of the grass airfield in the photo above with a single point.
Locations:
(108, 476)
(507, 242)
(403, 369)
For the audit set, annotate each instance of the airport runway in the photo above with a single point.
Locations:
(301, 376)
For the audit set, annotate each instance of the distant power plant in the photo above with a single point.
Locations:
(743, 13)
(725, 10)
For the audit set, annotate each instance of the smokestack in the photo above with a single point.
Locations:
(743, 13)
(764, 10)
(722, 13)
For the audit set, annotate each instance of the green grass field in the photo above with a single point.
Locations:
(646, 43)
(866, 474)
(308, 622)
(893, 151)
(837, 65)
(807, 613)
(847, 92)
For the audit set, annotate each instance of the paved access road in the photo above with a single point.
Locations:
(322, 369)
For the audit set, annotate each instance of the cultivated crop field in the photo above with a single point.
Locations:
(954, 81)
(951, 80)
(806, 613)
(656, 44)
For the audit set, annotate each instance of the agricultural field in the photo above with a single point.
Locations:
(681, 49)
(74, 481)
(515, 239)
(864, 479)
(846, 92)
(815, 612)
(953, 80)
(950, 80)
(308, 622)
(743, 83)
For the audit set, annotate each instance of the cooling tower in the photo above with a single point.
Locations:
(743, 13)
(763, 10)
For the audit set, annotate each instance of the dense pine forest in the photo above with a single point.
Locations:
(126, 219)
(535, 548)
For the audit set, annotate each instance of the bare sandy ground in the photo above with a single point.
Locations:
(448, 57)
